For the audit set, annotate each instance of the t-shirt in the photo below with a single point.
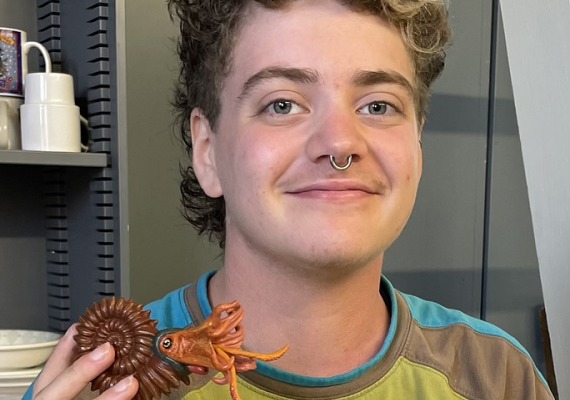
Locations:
(430, 352)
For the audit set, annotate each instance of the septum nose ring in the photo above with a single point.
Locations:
(337, 167)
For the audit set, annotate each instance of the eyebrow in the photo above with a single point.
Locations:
(369, 78)
(298, 75)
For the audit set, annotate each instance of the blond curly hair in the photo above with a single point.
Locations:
(208, 29)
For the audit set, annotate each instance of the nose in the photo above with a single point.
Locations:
(336, 137)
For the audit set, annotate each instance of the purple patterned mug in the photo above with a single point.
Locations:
(14, 50)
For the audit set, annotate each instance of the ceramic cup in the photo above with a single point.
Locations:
(10, 123)
(14, 49)
(49, 88)
(49, 117)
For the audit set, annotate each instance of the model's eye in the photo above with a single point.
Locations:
(375, 108)
(378, 108)
(283, 107)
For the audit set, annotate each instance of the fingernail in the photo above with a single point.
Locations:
(100, 352)
(71, 331)
(124, 385)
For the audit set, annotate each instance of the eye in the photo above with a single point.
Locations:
(167, 343)
(283, 107)
(376, 108)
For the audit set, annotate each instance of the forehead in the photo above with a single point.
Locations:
(318, 34)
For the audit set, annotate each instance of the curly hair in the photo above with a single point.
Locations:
(208, 31)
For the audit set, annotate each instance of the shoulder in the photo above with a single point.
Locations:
(170, 311)
(183, 306)
(479, 359)
(430, 315)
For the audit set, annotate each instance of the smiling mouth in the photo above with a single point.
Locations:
(335, 191)
(333, 194)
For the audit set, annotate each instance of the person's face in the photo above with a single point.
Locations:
(307, 82)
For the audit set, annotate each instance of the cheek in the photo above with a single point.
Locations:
(266, 154)
(413, 173)
(400, 167)
(246, 167)
(400, 156)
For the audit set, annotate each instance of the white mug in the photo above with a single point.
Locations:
(10, 123)
(50, 127)
(49, 88)
(14, 49)
(50, 119)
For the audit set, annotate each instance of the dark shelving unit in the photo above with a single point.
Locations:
(59, 211)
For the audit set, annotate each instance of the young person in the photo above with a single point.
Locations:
(303, 121)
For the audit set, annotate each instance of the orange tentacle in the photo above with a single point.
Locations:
(233, 384)
(230, 375)
(256, 356)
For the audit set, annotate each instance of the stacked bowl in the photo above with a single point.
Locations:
(22, 355)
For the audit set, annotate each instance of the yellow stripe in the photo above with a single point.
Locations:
(406, 380)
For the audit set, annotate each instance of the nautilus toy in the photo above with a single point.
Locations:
(160, 360)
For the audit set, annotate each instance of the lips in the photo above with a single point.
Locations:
(337, 190)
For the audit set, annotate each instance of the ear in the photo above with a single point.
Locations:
(203, 154)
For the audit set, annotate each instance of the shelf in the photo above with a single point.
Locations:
(53, 158)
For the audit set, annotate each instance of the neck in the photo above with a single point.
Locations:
(333, 323)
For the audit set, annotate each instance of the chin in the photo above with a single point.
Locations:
(340, 258)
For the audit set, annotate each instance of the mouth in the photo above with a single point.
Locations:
(336, 190)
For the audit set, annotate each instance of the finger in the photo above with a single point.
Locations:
(72, 380)
(59, 361)
(125, 389)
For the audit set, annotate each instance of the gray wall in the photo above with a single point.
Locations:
(439, 255)
(164, 250)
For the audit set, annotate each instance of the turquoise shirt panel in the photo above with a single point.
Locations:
(428, 314)
(170, 311)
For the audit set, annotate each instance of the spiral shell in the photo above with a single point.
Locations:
(128, 327)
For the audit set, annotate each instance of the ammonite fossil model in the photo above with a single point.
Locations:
(159, 360)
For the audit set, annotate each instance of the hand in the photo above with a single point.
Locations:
(63, 379)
